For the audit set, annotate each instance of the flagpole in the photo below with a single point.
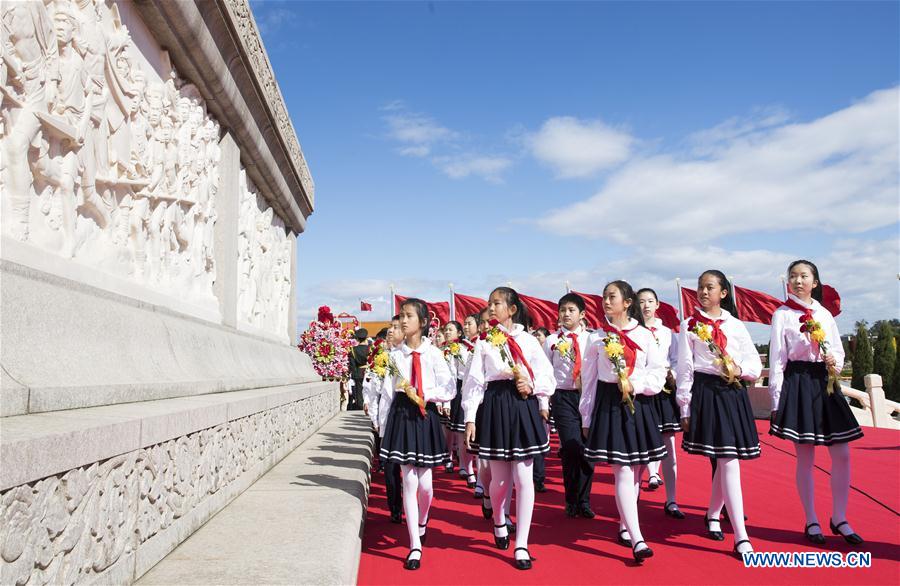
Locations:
(784, 288)
(734, 297)
(391, 310)
(568, 289)
(452, 303)
(680, 302)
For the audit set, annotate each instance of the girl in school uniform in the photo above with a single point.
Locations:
(715, 354)
(805, 357)
(457, 351)
(664, 403)
(412, 434)
(512, 380)
(623, 369)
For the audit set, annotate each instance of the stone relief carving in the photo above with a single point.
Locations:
(70, 527)
(103, 161)
(242, 17)
(264, 263)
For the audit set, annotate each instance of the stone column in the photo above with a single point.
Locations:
(226, 230)
(292, 310)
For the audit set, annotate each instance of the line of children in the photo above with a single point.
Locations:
(616, 401)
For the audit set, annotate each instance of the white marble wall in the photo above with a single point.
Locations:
(264, 264)
(109, 158)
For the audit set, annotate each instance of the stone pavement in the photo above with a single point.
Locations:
(301, 523)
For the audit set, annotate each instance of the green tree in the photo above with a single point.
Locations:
(862, 357)
(894, 394)
(885, 355)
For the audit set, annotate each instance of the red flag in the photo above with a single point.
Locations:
(440, 310)
(831, 300)
(364, 306)
(755, 306)
(669, 316)
(689, 302)
(467, 305)
(543, 313)
(593, 308)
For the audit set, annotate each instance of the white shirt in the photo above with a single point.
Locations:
(694, 356)
(789, 343)
(437, 384)
(563, 367)
(647, 378)
(665, 339)
(486, 365)
(372, 395)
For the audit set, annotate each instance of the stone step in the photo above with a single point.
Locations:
(302, 522)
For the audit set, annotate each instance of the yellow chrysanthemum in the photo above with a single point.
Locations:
(497, 338)
(563, 347)
(381, 360)
(454, 348)
(380, 370)
(704, 332)
(817, 335)
(614, 349)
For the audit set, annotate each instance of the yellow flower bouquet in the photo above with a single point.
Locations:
(615, 351)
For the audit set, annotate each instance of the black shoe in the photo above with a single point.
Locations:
(486, 512)
(571, 510)
(501, 542)
(510, 526)
(816, 538)
(448, 467)
(714, 535)
(413, 564)
(396, 518)
(470, 481)
(851, 538)
(526, 563)
(423, 535)
(539, 487)
(586, 512)
(672, 510)
(654, 482)
(739, 555)
(475, 494)
(641, 555)
(622, 540)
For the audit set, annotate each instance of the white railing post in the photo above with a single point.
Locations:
(876, 400)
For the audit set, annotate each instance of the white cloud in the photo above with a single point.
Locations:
(576, 148)
(488, 167)
(417, 132)
(837, 173)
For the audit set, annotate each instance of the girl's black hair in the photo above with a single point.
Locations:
(648, 290)
(396, 317)
(728, 303)
(475, 316)
(382, 334)
(634, 310)
(421, 312)
(544, 331)
(512, 300)
(817, 290)
(458, 326)
(573, 298)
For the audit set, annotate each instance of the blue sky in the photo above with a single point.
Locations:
(529, 142)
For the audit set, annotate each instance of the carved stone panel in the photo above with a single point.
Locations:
(264, 264)
(109, 158)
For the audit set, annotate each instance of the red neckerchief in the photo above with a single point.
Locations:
(631, 347)
(718, 336)
(416, 378)
(806, 312)
(466, 343)
(515, 351)
(576, 371)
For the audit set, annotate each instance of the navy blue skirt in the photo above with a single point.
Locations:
(457, 420)
(807, 414)
(618, 436)
(668, 415)
(722, 424)
(508, 427)
(410, 438)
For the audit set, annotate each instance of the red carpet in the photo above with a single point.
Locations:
(577, 551)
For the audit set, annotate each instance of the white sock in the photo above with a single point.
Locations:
(806, 456)
(652, 469)
(716, 500)
(410, 479)
(426, 495)
(670, 467)
(626, 499)
(840, 484)
(730, 469)
(501, 478)
(524, 481)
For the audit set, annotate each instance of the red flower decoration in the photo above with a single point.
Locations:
(494, 323)
(325, 314)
